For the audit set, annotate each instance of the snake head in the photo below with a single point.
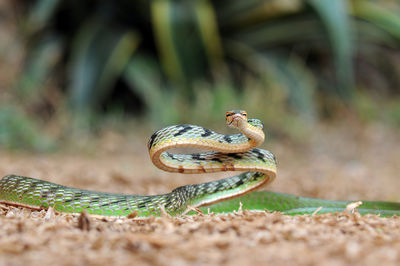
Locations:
(236, 117)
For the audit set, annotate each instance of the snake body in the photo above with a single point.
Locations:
(236, 152)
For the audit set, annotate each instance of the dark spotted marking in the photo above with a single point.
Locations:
(111, 203)
(206, 133)
(228, 138)
(197, 156)
(77, 195)
(31, 188)
(239, 183)
(184, 129)
(51, 190)
(70, 200)
(147, 201)
(151, 140)
(257, 175)
(234, 155)
(216, 160)
(168, 201)
(144, 203)
(141, 205)
(220, 186)
(260, 155)
(16, 183)
(95, 200)
(173, 157)
(33, 185)
(25, 191)
(44, 193)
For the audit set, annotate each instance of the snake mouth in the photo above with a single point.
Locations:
(235, 120)
(235, 117)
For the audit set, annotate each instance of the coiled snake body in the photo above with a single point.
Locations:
(228, 153)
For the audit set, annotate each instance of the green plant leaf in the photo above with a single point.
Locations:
(41, 14)
(207, 23)
(301, 85)
(98, 59)
(41, 61)
(144, 77)
(163, 24)
(334, 15)
(381, 16)
(18, 131)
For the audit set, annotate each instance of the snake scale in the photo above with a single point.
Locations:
(236, 152)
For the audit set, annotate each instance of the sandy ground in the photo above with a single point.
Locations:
(338, 162)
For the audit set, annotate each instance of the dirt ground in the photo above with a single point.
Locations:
(338, 162)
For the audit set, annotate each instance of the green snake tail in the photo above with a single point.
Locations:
(293, 205)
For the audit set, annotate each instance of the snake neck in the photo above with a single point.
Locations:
(255, 134)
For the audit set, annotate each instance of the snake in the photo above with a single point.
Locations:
(220, 152)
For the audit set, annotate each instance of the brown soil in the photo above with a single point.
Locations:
(338, 162)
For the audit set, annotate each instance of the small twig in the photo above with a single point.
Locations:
(240, 210)
(195, 209)
(317, 210)
(49, 214)
(84, 222)
(351, 207)
(163, 212)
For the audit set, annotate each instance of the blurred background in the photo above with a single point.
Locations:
(84, 84)
(71, 70)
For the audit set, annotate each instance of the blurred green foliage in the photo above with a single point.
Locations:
(17, 131)
(288, 62)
